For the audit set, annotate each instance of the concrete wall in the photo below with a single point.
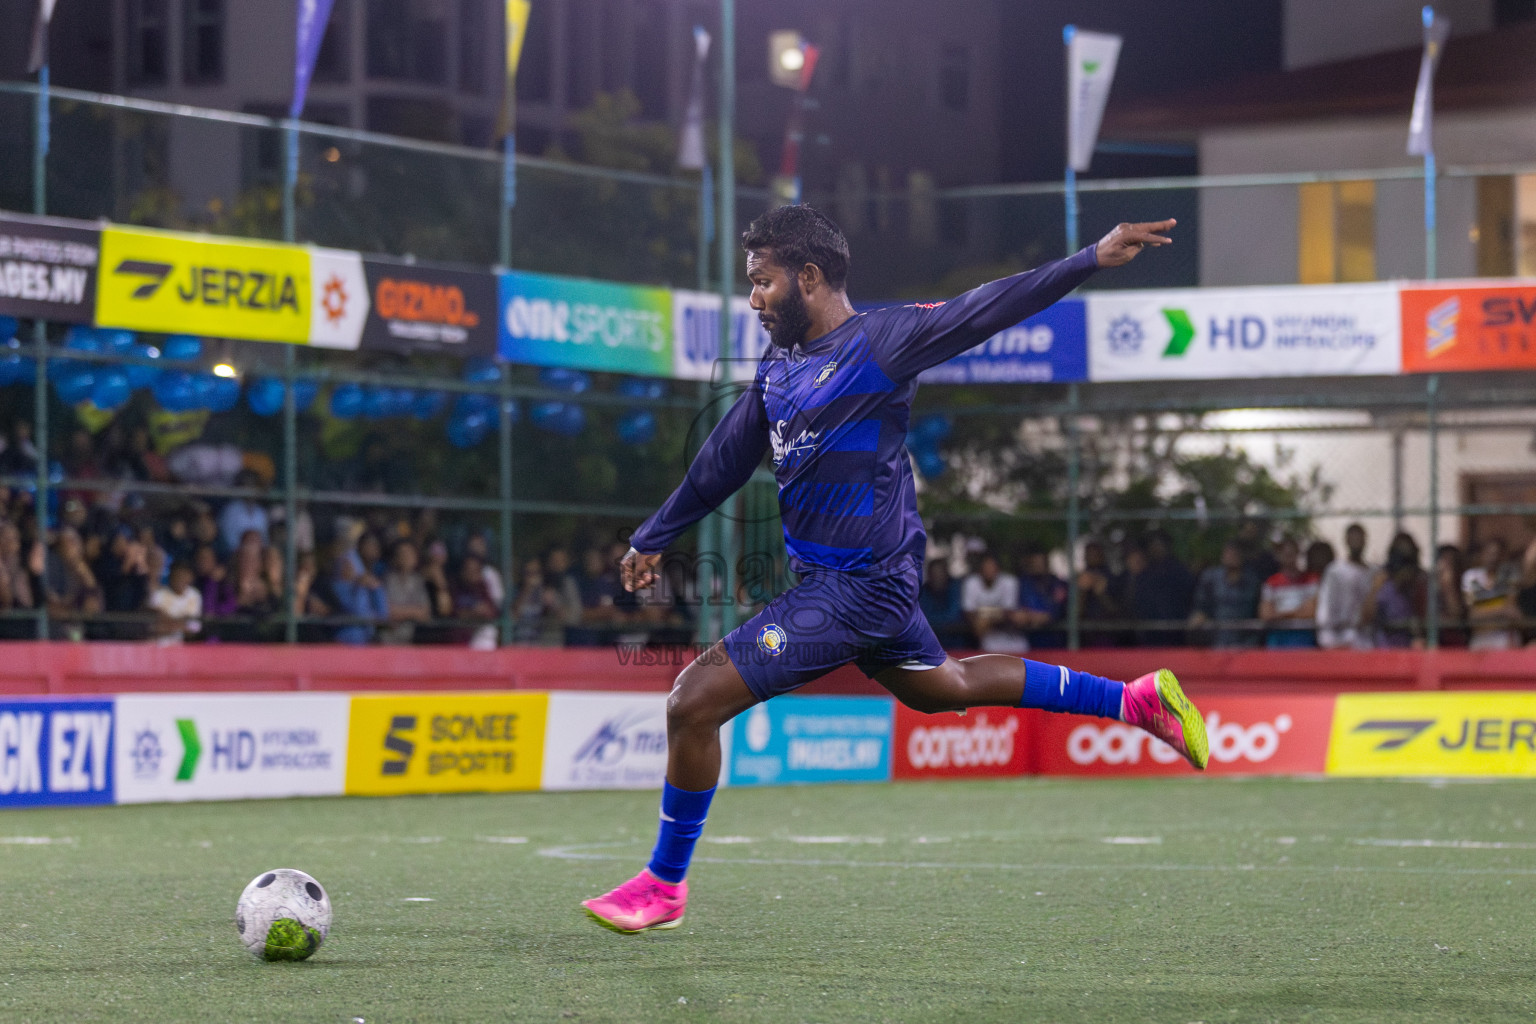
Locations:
(1321, 31)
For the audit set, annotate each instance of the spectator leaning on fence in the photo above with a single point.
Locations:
(1341, 596)
(1227, 593)
(1098, 597)
(178, 606)
(1288, 602)
(1395, 609)
(989, 598)
(1489, 589)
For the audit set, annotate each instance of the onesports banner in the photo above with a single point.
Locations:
(48, 268)
(177, 283)
(177, 747)
(1221, 333)
(1469, 327)
(446, 743)
(1434, 734)
(587, 325)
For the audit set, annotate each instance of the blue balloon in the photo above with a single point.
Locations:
(203, 387)
(8, 327)
(560, 378)
(375, 403)
(140, 376)
(564, 418)
(265, 396)
(111, 390)
(426, 405)
(513, 410)
(304, 392)
(638, 426)
(182, 347)
(468, 431)
(176, 391)
(347, 402)
(224, 395)
(82, 339)
(932, 429)
(472, 402)
(116, 342)
(931, 465)
(18, 369)
(482, 371)
(74, 385)
(641, 387)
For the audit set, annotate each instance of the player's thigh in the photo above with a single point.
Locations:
(928, 689)
(709, 692)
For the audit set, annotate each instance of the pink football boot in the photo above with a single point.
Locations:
(1156, 703)
(643, 904)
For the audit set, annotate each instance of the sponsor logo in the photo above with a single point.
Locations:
(1434, 734)
(422, 744)
(55, 753)
(794, 450)
(605, 741)
(1440, 327)
(825, 374)
(162, 281)
(1126, 336)
(616, 738)
(38, 282)
(333, 299)
(1124, 744)
(979, 745)
(1183, 333)
(772, 639)
(812, 739)
(47, 269)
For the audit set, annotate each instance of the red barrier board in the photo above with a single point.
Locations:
(1460, 328)
(1248, 735)
(986, 741)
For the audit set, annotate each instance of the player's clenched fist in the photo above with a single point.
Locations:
(638, 571)
(1121, 245)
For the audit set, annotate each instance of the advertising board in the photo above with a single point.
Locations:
(425, 309)
(1248, 736)
(48, 269)
(605, 741)
(1416, 734)
(812, 739)
(1469, 327)
(445, 743)
(1216, 333)
(1051, 346)
(696, 338)
(231, 747)
(985, 741)
(55, 752)
(338, 299)
(586, 325)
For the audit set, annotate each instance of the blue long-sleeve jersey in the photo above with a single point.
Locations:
(834, 412)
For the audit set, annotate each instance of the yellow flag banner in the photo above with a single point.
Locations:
(517, 32)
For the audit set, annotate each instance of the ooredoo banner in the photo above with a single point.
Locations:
(1248, 736)
(55, 752)
(987, 741)
(231, 747)
(48, 269)
(1416, 734)
(605, 741)
(812, 739)
(1463, 327)
(446, 743)
(1216, 333)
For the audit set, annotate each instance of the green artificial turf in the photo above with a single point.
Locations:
(1023, 900)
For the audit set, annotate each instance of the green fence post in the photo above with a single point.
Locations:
(504, 472)
(40, 434)
(725, 227)
(1432, 607)
(1074, 511)
(290, 496)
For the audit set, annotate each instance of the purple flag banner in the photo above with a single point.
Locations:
(313, 17)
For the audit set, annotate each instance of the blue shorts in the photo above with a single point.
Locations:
(828, 620)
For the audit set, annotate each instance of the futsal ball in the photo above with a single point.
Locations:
(283, 915)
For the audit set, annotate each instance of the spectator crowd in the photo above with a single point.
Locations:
(126, 563)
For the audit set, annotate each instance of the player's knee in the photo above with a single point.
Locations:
(690, 706)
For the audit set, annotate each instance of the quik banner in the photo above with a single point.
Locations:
(422, 309)
(1469, 327)
(1409, 734)
(605, 741)
(696, 338)
(1248, 736)
(173, 283)
(231, 747)
(55, 752)
(48, 269)
(812, 739)
(585, 325)
(445, 743)
(1229, 333)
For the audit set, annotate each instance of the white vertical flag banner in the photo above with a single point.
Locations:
(1421, 125)
(690, 149)
(39, 55)
(1091, 58)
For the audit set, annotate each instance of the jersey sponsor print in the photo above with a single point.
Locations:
(55, 752)
(1248, 736)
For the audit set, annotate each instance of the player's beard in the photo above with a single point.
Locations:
(791, 321)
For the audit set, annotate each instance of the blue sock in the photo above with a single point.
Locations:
(683, 813)
(1058, 688)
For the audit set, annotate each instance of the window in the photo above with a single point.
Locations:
(408, 40)
(955, 78)
(474, 48)
(536, 68)
(333, 62)
(649, 40)
(1337, 232)
(202, 42)
(581, 42)
(1507, 12)
(147, 44)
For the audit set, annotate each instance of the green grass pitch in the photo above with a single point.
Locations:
(1021, 900)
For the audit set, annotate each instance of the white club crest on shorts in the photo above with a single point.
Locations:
(772, 639)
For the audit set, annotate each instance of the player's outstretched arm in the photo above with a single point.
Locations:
(725, 462)
(917, 337)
